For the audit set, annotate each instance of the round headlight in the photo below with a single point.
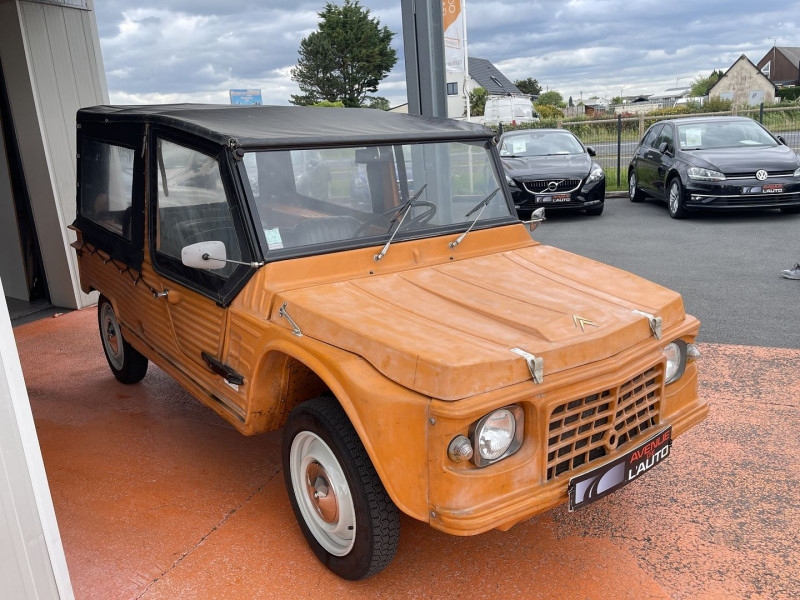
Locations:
(495, 434)
(675, 353)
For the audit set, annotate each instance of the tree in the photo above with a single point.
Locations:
(345, 59)
(477, 101)
(378, 102)
(552, 98)
(702, 85)
(528, 86)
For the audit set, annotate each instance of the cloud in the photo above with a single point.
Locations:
(193, 50)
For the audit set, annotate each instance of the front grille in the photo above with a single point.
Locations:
(752, 174)
(590, 428)
(541, 186)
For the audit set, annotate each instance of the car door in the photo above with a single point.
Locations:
(191, 201)
(647, 159)
(665, 152)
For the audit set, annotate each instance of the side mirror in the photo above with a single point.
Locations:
(204, 255)
(537, 217)
(663, 147)
(590, 151)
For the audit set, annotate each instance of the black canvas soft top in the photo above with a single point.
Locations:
(264, 127)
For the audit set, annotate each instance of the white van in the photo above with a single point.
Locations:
(509, 110)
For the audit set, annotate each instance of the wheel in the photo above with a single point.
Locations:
(675, 198)
(791, 210)
(127, 363)
(635, 194)
(595, 211)
(343, 509)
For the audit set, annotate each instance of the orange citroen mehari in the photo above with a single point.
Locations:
(360, 279)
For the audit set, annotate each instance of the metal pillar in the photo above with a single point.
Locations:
(423, 42)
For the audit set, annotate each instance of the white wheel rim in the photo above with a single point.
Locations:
(112, 337)
(674, 198)
(322, 493)
(632, 185)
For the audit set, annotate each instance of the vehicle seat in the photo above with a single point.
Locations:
(324, 229)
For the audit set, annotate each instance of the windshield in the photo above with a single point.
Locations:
(723, 134)
(540, 143)
(318, 196)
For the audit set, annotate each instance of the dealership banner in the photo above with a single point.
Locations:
(453, 18)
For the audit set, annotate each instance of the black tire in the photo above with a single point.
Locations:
(675, 198)
(595, 211)
(634, 193)
(127, 363)
(321, 453)
(791, 210)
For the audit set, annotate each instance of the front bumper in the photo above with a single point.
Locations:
(466, 500)
(743, 193)
(585, 195)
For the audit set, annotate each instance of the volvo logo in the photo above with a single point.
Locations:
(761, 174)
(552, 186)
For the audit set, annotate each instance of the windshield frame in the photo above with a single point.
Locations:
(272, 254)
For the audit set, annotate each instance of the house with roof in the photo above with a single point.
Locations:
(745, 84)
(481, 73)
(781, 65)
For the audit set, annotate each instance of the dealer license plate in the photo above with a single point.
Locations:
(609, 477)
(767, 188)
(555, 198)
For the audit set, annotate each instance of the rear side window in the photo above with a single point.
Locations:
(106, 194)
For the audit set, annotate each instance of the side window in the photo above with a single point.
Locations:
(651, 136)
(666, 136)
(192, 206)
(106, 194)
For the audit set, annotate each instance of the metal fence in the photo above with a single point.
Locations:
(614, 140)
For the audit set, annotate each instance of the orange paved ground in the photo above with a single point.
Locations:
(157, 498)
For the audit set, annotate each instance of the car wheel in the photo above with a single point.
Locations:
(791, 210)
(635, 194)
(675, 198)
(345, 514)
(127, 363)
(596, 211)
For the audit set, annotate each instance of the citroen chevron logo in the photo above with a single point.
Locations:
(582, 322)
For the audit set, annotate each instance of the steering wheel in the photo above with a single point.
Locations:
(421, 219)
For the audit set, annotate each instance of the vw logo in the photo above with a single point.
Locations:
(761, 174)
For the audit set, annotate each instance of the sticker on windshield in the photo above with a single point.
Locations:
(518, 147)
(694, 137)
(274, 240)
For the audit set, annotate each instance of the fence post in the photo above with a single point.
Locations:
(761, 113)
(641, 125)
(619, 148)
(560, 124)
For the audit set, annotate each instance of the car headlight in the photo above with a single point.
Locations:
(596, 174)
(701, 174)
(675, 353)
(497, 435)
(510, 181)
(797, 172)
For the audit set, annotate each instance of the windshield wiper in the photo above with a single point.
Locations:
(479, 206)
(404, 210)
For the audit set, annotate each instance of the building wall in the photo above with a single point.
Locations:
(52, 63)
(781, 68)
(745, 85)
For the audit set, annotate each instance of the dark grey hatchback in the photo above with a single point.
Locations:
(552, 168)
(714, 163)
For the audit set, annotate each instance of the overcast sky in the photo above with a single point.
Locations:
(196, 50)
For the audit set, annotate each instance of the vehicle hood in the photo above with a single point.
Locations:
(447, 331)
(572, 166)
(744, 160)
